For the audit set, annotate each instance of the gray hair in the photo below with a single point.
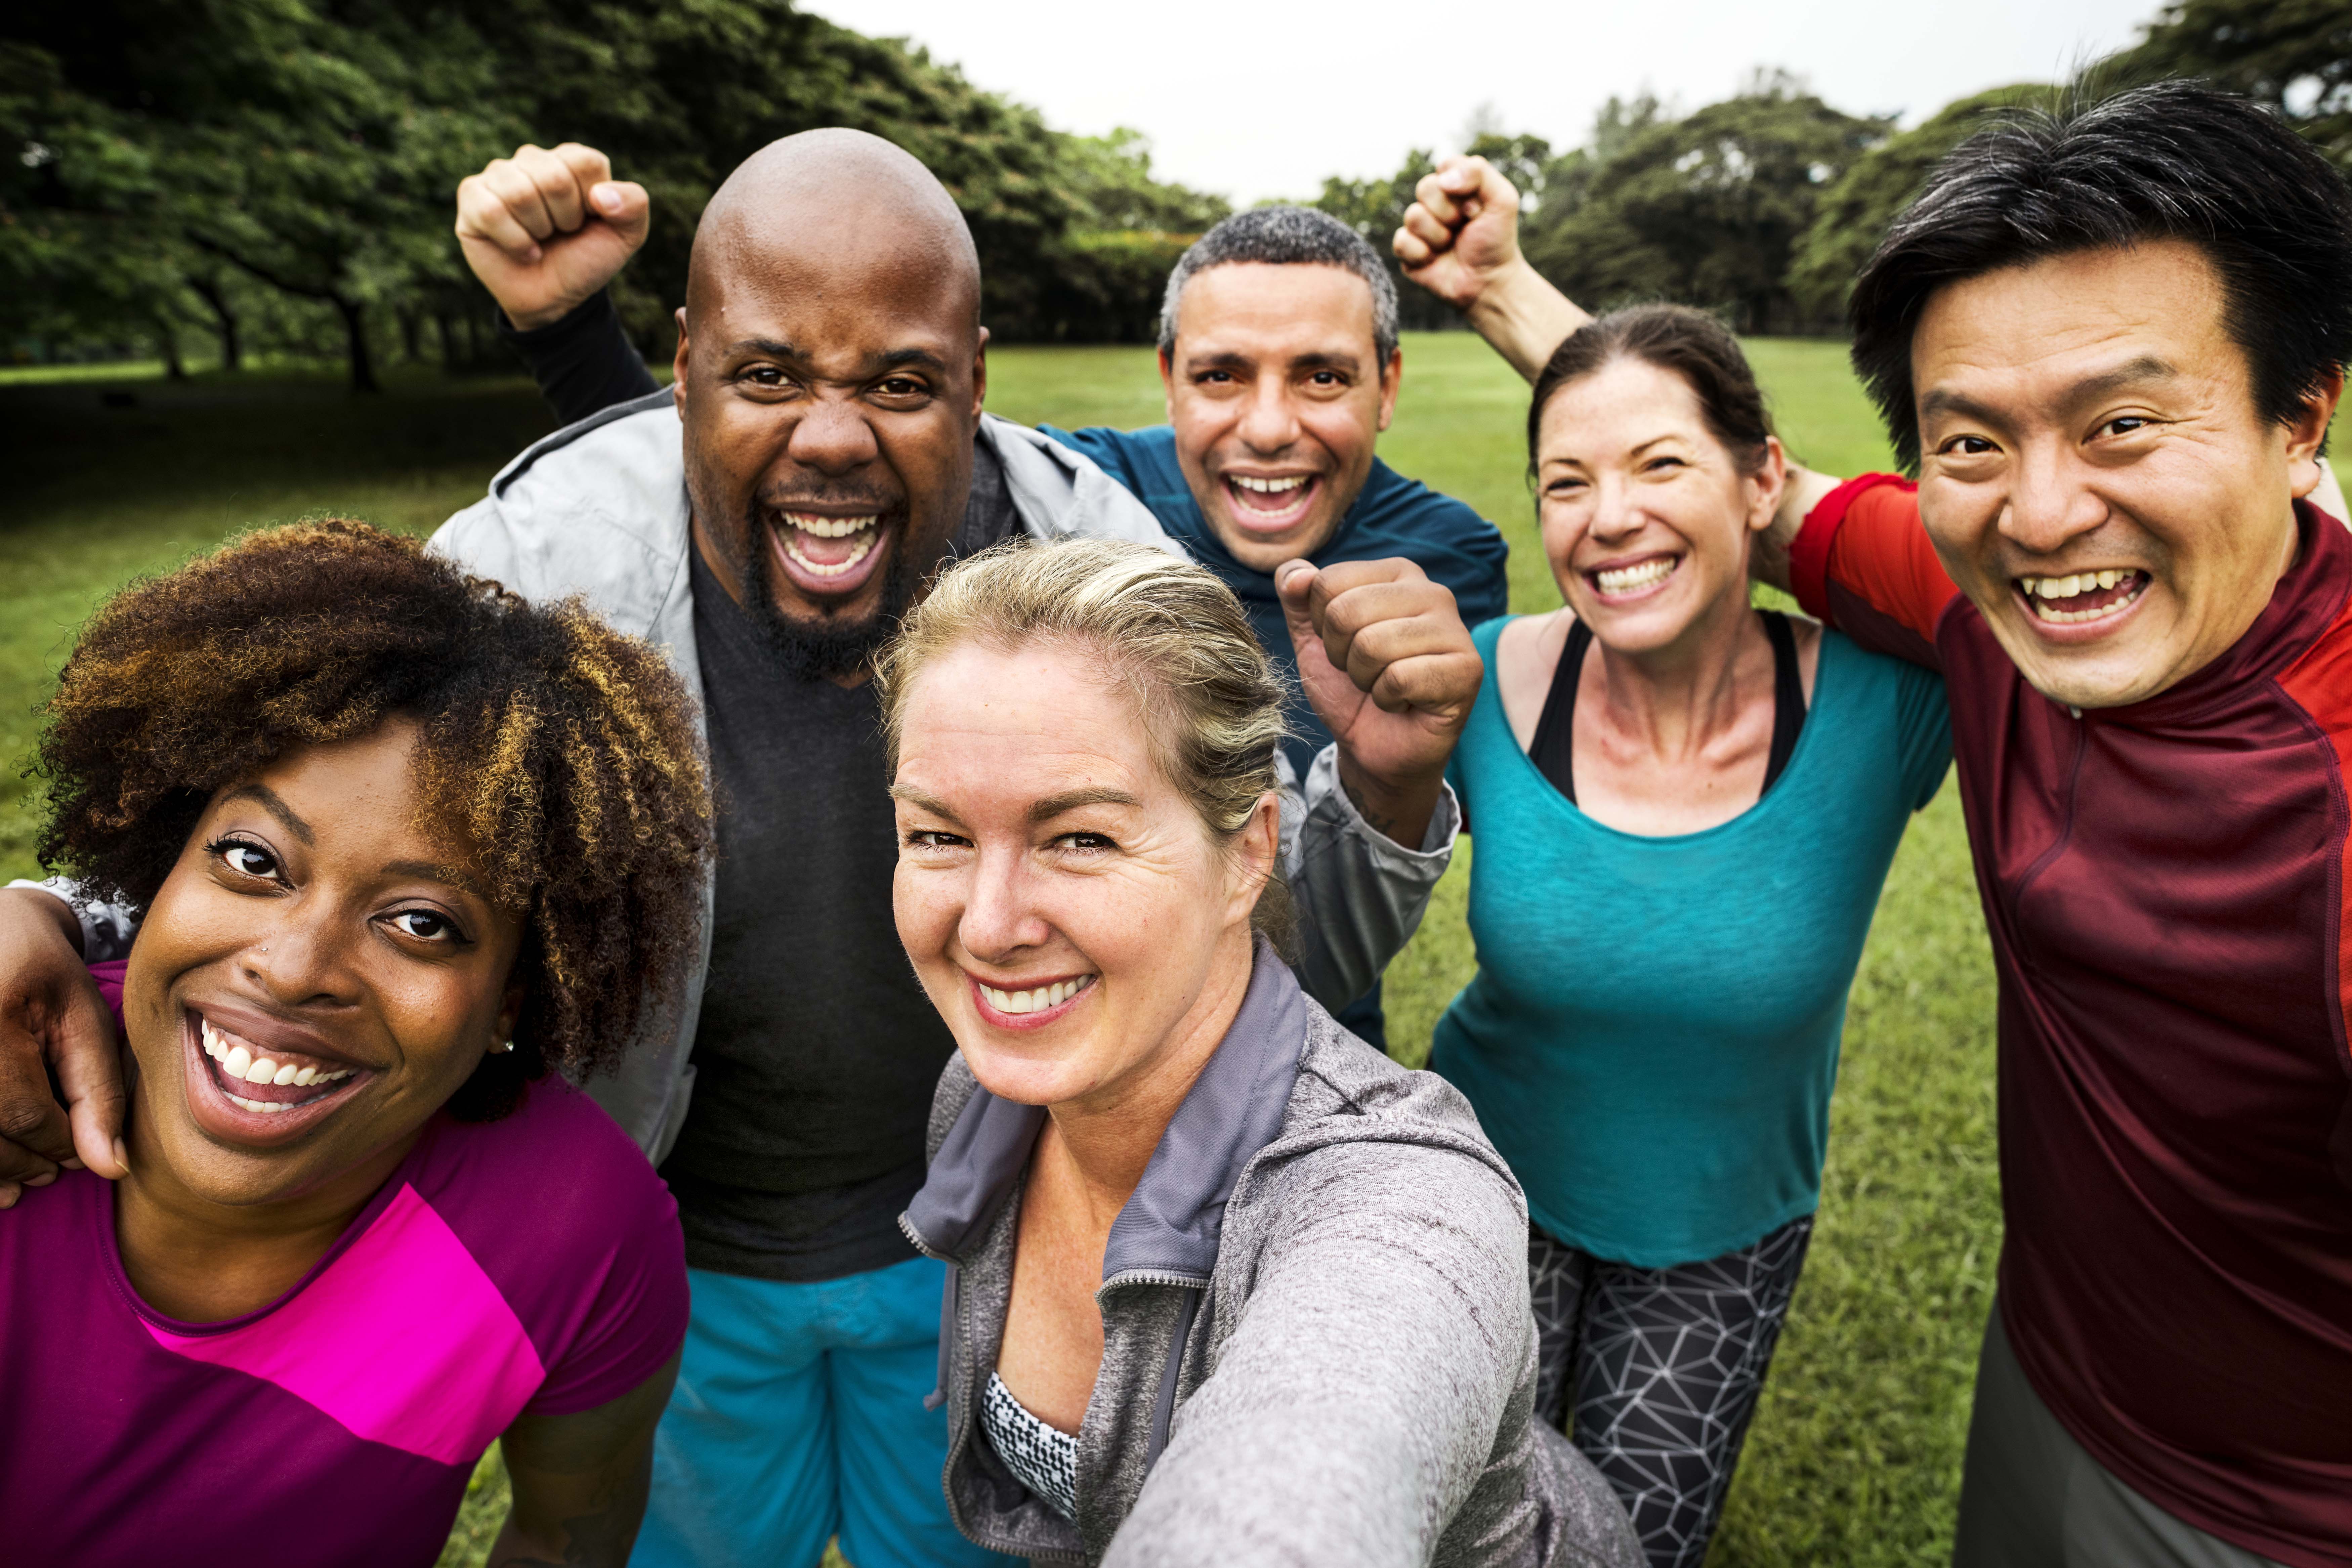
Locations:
(1288, 237)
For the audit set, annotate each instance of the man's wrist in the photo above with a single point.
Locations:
(1523, 317)
(1399, 810)
(553, 320)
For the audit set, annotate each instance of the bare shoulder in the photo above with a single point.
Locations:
(1525, 654)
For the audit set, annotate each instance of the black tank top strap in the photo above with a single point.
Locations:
(1788, 696)
(1553, 748)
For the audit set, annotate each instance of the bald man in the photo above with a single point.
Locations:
(766, 519)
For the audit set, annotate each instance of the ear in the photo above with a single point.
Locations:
(1391, 377)
(677, 366)
(980, 374)
(1766, 485)
(1167, 381)
(2308, 432)
(509, 1014)
(1256, 855)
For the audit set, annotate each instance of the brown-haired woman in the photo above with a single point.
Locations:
(1685, 807)
(400, 845)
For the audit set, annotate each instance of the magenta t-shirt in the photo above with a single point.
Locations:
(532, 1265)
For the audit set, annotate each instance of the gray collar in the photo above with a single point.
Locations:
(1171, 1225)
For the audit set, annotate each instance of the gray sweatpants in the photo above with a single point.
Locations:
(2030, 1497)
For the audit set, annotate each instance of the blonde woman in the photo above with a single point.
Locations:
(1226, 1283)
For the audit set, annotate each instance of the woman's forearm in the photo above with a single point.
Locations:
(1524, 318)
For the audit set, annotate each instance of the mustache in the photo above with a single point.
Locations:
(812, 500)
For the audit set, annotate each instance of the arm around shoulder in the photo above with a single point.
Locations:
(580, 1480)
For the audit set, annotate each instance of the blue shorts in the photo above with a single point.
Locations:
(799, 1416)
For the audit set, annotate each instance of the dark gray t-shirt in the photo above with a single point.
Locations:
(817, 1051)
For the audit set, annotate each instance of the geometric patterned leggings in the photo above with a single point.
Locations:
(1666, 1366)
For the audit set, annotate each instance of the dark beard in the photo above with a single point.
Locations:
(824, 650)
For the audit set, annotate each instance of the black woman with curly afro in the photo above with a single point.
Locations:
(407, 853)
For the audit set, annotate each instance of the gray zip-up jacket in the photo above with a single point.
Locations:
(1317, 1341)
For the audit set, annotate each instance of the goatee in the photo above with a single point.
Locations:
(828, 649)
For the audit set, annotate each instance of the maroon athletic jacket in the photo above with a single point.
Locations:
(2164, 885)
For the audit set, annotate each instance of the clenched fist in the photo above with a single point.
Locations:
(1391, 669)
(1461, 232)
(547, 228)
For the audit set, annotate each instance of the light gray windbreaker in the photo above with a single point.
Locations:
(1316, 1342)
(599, 508)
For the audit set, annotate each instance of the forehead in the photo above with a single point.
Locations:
(355, 797)
(1625, 404)
(982, 723)
(843, 288)
(2028, 334)
(1263, 306)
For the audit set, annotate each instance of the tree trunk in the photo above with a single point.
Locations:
(209, 290)
(168, 340)
(411, 332)
(448, 342)
(355, 337)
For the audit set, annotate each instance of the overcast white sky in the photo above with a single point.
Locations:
(1263, 98)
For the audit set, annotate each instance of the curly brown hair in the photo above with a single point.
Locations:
(562, 754)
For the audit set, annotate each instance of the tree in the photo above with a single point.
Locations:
(1853, 214)
(2295, 54)
(1706, 209)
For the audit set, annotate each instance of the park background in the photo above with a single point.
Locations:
(228, 297)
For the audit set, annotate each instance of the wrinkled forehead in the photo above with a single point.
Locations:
(2041, 337)
(1290, 307)
(856, 272)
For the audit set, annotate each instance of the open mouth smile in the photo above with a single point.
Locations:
(255, 1092)
(825, 554)
(1264, 503)
(2080, 597)
(1033, 1007)
(1624, 582)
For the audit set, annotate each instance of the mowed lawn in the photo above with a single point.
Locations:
(1854, 1457)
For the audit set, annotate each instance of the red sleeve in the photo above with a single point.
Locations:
(1861, 563)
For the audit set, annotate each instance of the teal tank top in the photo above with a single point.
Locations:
(1652, 1036)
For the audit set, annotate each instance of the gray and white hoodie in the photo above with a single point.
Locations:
(1318, 1346)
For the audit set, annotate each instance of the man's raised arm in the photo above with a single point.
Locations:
(545, 231)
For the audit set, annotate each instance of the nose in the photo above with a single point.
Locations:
(1615, 515)
(833, 438)
(301, 962)
(1269, 422)
(1000, 917)
(2049, 503)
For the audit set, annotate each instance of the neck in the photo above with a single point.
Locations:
(200, 1260)
(1674, 700)
(1109, 1136)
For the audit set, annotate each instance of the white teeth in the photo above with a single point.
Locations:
(830, 527)
(1036, 1000)
(1623, 579)
(262, 1070)
(305, 1076)
(237, 1061)
(266, 1106)
(830, 569)
(1268, 486)
(285, 1073)
(2044, 592)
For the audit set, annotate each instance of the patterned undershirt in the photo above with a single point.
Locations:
(1040, 1457)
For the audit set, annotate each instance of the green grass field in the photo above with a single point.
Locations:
(1854, 1457)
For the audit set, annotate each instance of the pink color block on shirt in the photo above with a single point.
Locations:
(404, 1339)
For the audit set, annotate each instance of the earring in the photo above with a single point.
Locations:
(506, 1048)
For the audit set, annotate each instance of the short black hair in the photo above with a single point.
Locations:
(2176, 161)
(1285, 236)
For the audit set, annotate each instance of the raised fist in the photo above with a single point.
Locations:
(546, 229)
(1461, 232)
(1384, 657)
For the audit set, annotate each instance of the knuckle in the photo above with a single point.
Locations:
(24, 1120)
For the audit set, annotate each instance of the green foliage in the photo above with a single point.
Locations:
(1853, 214)
(1706, 209)
(2296, 54)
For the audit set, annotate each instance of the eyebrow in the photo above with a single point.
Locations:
(1044, 810)
(892, 359)
(1054, 805)
(448, 876)
(269, 800)
(2131, 373)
